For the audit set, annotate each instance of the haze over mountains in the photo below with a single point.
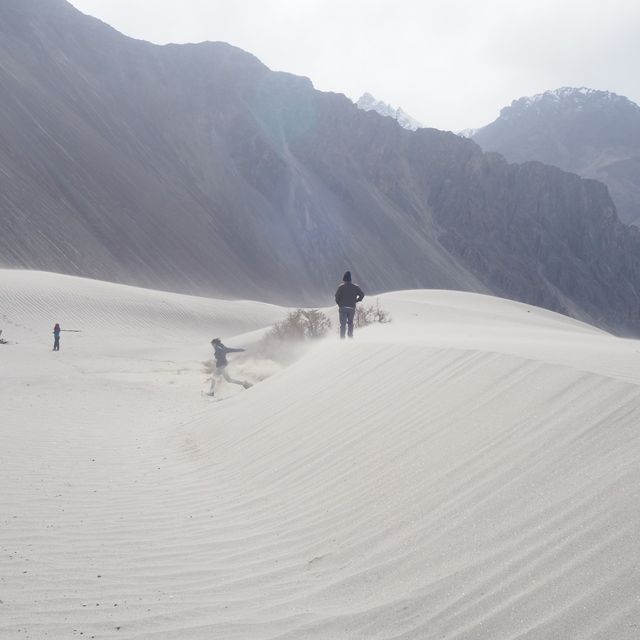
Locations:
(196, 168)
(595, 134)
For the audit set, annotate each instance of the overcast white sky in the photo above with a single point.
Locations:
(451, 64)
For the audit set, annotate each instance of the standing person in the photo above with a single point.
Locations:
(220, 354)
(347, 296)
(56, 337)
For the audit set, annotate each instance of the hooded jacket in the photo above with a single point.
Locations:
(348, 294)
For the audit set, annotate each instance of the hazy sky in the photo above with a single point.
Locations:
(451, 64)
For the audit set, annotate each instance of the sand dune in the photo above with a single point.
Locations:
(468, 471)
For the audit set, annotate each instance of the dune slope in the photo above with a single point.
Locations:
(467, 471)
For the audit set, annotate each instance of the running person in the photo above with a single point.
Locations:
(220, 354)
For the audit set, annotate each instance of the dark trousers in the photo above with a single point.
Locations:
(56, 343)
(346, 320)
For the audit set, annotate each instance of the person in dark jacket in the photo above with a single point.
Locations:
(347, 296)
(220, 354)
(56, 337)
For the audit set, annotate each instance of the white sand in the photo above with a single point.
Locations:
(468, 471)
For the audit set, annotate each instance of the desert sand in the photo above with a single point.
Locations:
(467, 471)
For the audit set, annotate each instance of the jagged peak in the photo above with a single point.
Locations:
(567, 95)
(367, 102)
(468, 133)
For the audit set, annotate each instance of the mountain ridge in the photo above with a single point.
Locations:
(593, 133)
(196, 168)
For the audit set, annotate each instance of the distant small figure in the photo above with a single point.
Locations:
(56, 337)
(220, 353)
(347, 296)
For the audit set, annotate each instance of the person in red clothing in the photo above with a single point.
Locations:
(347, 296)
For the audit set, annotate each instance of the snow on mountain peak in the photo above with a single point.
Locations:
(368, 103)
(468, 133)
(565, 94)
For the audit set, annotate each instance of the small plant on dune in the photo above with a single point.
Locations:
(317, 323)
(300, 326)
(371, 314)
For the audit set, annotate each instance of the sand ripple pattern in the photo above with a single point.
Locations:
(384, 489)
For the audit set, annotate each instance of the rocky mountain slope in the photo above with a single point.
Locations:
(196, 168)
(595, 134)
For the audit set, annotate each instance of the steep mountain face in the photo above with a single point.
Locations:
(595, 134)
(196, 168)
(367, 102)
(191, 167)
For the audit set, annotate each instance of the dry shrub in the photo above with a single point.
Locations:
(284, 340)
(371, 314)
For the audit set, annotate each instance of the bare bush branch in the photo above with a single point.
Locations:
(371, 314)
(283, 340)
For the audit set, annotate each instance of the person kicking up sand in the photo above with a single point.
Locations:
(220, 353)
